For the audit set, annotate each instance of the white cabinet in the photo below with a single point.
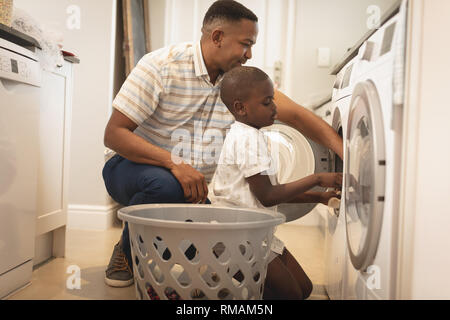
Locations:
(55, 119)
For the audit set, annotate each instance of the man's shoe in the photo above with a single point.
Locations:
(119, 272)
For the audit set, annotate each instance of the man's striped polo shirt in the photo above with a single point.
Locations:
(169, 96)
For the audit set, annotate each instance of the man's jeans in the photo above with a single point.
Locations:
(130, 183)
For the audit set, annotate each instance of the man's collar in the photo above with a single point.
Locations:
(199, 62)
(200, 66)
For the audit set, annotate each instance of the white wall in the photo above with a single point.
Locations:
(94, 43)
(334, 24)
(291, 31)
(425, 211)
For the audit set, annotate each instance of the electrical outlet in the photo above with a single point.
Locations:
(277, 73)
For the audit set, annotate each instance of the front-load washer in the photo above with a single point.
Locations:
(335, 227)
(372, 150)
(296, 157)
(20, 79)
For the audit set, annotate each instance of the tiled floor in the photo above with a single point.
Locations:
(91, 250)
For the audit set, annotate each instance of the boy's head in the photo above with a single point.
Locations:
(248, 94)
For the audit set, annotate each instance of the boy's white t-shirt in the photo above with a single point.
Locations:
(245, 153)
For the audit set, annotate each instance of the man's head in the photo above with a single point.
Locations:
(248, 94)
(229, 31)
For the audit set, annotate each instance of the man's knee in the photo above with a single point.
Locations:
(163, 187)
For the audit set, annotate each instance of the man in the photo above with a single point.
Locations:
(177, 90)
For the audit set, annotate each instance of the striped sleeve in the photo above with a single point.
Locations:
(139, 96)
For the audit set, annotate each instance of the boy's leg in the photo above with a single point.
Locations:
(130, 183)
(280, 283)
(297, 272)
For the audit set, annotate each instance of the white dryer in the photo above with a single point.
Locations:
(372, 153)
(335, 232)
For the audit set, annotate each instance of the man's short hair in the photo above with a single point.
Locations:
(229, 10)
(238, 83)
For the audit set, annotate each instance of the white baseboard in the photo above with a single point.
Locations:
(86, 217)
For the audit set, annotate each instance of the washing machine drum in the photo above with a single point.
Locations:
(296, 157)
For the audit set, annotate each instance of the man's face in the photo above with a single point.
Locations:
(260, 109)
(237, 42)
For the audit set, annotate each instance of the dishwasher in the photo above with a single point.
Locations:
(20, 81)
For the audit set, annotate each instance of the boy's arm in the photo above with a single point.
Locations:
(270, 195)
(315, 197)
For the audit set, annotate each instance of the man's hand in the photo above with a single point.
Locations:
(193, 182)
(331, 180)
(120, 137)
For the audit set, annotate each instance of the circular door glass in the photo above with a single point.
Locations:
(364, 175)
(359, 182)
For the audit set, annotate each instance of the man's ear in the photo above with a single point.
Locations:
(217, 37)
(239, 108)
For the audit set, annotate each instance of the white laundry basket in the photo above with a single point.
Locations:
(203, 252)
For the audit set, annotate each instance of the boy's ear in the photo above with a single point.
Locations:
(239, 108)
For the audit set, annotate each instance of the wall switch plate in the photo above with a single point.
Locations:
(323, 57)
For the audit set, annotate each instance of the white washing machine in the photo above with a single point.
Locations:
(335, 242)
(372, 152)
(20, 78)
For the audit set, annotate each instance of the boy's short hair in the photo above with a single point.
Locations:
(228, 10)
(238, 83)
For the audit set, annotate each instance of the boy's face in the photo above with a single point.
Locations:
(260, 109)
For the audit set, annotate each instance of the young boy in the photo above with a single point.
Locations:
(245, 175)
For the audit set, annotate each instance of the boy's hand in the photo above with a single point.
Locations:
(330, 180)
(326, 196)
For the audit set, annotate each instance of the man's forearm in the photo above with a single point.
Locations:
(137, 149)
(308, 123)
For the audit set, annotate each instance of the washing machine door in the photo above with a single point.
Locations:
(297, 157)
(335, 240)
(335, 164)
(365, 175)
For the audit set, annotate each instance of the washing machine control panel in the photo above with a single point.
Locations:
(19, 64)
(15, 66)
(378, 45)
